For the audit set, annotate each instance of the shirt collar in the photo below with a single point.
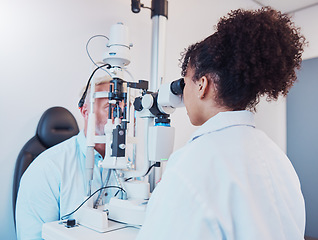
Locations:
(224, 120)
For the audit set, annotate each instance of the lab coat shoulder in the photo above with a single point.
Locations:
(249, 174)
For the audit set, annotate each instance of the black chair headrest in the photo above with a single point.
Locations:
(56, 125)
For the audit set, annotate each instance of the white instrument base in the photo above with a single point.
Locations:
(56, 230)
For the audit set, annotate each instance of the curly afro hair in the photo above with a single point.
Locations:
(252, 53)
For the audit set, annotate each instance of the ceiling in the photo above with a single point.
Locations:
(288, 6)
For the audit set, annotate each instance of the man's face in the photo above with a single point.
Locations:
(101, 108)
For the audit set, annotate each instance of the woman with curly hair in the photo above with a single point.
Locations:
(230, 181)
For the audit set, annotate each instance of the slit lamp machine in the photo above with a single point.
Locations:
(154, 104)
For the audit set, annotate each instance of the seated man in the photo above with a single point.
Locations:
(55, 184)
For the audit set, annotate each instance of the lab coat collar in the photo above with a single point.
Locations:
(224, 120)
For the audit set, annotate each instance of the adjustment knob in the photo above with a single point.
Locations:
(147, 101)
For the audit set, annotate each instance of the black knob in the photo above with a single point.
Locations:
(138, 104)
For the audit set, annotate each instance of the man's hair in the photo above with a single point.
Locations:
(252, 53)
(98, 81)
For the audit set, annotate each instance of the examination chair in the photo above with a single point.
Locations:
(56, 125)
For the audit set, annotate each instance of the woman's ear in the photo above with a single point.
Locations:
(203, 87)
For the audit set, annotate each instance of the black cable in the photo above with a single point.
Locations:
(82, 100)
(67, 215)
(143, 6)
(157, 164)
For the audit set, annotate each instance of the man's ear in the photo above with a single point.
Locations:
(84, 111)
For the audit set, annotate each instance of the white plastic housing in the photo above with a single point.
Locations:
(92, 218)
(137, 189)
(147, 101)
(118, 53)
(161, 142)
(130, 212)
(114, 163)
(167, 101)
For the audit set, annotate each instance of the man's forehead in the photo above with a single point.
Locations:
(102, 87)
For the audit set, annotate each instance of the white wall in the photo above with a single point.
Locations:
(43, 64)
(307, 20)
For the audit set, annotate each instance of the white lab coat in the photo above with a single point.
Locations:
(230, 181)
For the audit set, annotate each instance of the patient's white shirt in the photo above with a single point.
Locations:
(54, 185)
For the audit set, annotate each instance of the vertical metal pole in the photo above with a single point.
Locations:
(159, 18)
(158, 51)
